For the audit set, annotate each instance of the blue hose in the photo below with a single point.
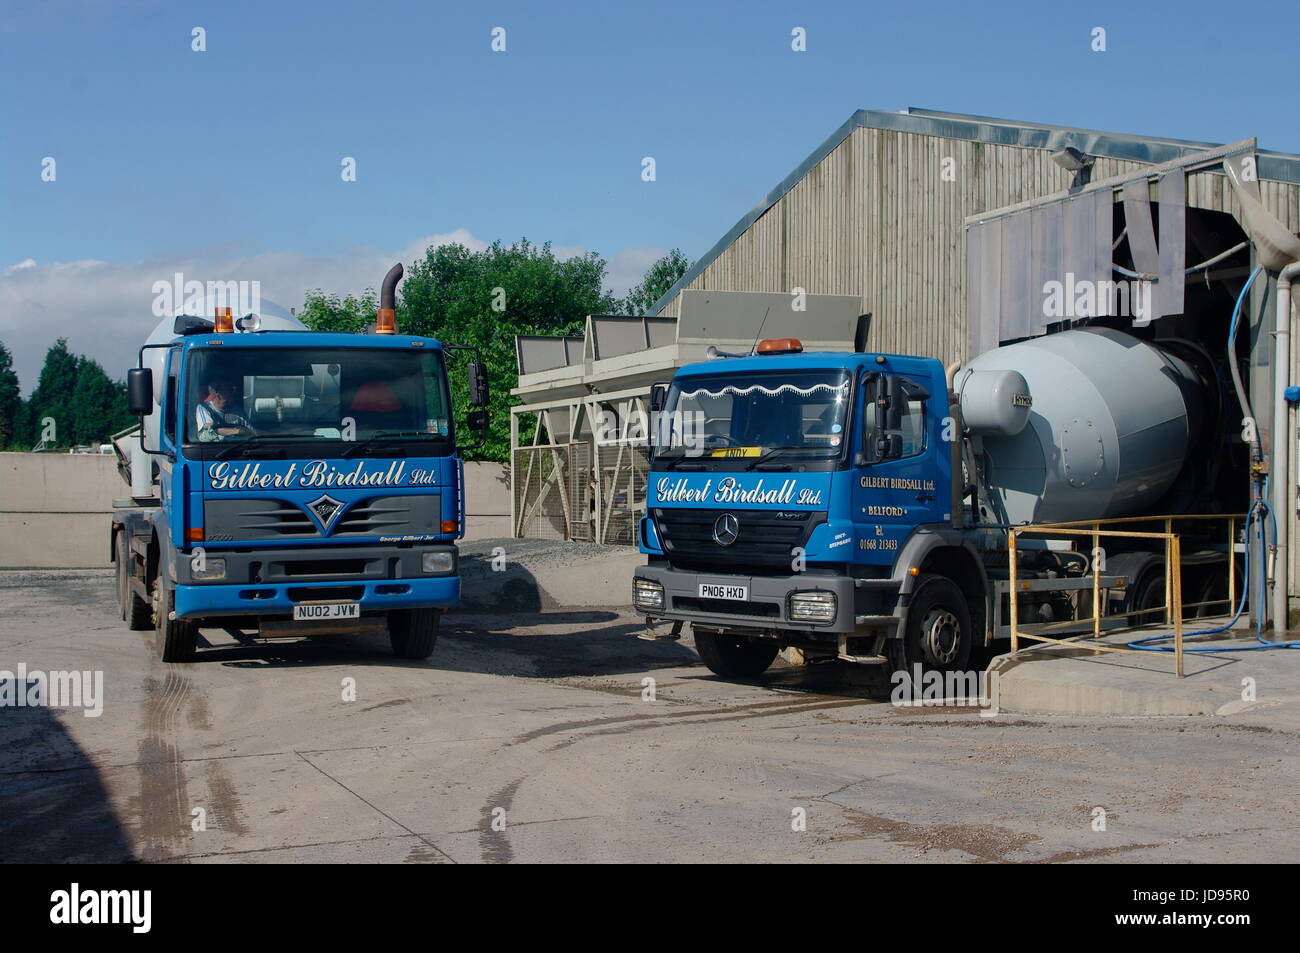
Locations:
(1258, 510)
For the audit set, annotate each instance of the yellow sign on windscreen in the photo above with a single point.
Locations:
(737, 451)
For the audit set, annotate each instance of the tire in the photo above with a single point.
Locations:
(123, 578)
(1145, 573)
(414, 632)
(1213, 587)
(938, 634)
(133, 610)
(176, 639)
(731, 657)
(1149, 593)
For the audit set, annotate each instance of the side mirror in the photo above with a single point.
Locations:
(658, 397)
(881, 409)
(478, 384)
(889, 446)
(139, 391)
(889, 403)
(477, 420)
(897, 400)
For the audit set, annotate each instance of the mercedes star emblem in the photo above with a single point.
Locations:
(725, 529)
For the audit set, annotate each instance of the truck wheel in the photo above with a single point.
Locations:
(176, 639)
(1145, 573)
(1213, 590)
(413, 632)
(938, 632)
(1149, 593)
(732, 657)
(137, 613)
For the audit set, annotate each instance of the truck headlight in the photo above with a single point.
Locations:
(438, 561)
(647, 593)
(812, 606)
(214, 568)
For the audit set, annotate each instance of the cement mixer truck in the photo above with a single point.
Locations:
(290, 482)
(856, 505)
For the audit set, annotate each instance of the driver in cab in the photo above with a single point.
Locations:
(214, 416)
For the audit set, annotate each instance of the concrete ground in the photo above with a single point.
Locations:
(530, 738)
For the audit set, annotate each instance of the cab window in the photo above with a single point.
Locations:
(169, 401)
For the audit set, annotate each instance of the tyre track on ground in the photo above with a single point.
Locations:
(494, 845)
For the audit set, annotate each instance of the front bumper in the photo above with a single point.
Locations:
(860, 603)
(269, 582)
(198, 601)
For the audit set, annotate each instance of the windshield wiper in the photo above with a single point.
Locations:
(228, 450)
(679, 462)
(381, 437)
(768, 455)
(258, 441)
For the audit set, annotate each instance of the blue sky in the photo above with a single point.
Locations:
(227, 162)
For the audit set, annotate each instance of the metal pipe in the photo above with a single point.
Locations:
(141, 468)
(956, 501)
(1176, 561)
(1281, 439)
(1096, 582)
(950, 372)
(388, 290)
(1011, 587)
(1218, 258)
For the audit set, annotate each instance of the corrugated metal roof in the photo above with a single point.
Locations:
(1274, 166)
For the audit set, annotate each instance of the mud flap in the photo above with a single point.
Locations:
(649, 634)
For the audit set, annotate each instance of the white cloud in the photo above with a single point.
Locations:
(623, 270)
(105, 310)
(627, 268)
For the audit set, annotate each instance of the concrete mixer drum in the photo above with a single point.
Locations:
(1109, 430)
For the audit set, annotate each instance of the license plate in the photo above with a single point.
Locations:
(711, 591)
(327, 610)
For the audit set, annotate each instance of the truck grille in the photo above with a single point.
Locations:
(727, 607)
(764, 539)
(242, 519)
(326, 594)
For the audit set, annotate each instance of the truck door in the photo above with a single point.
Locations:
(900, 475)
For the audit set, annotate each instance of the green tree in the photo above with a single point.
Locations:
(487, 297)
(322, 312)
(22, 427)
(98, 405)
(51, 401)
(11, 402)
(85, 405)
(659, 277)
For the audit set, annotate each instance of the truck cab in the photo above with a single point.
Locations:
(806, 500)
(306, 483)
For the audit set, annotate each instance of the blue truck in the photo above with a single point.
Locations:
(855, 505)
(293, 482)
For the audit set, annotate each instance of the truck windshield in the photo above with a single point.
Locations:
(262, 396)
(745, 416)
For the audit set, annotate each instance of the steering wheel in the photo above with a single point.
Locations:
(731, 441)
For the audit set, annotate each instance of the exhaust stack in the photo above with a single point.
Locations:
(386, 317)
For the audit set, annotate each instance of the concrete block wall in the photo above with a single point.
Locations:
(54, 508)
(487, 501)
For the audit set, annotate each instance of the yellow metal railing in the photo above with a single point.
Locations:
(1173, 604)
